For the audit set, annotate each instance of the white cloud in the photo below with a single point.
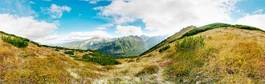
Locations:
(88, 35)
(25, 26)
(101, 28)
(75, 36)
(253, 20)
(128, 30)
(57, 11)
(259, 11)
(105, 27)
(94, 1)
(169, 16)
(17, 7)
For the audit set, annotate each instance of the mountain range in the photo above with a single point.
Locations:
(117, 47)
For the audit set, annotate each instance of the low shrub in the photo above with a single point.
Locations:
(178, 70)
(16, 41)
(100, 59)
(190, 43)
(164, 48)
(69, 52)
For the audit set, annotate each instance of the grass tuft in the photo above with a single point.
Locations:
(152, 69)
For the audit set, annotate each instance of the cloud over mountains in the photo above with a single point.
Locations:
(169, 16)
(26, 26)
(158, 17)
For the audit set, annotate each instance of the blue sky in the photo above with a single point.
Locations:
(248, 6)
(87, 18)
(82, 17)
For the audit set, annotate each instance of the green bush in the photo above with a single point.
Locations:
(190, 43)
(100, 59)
(16, 41)
(69, 52)
(164, 48)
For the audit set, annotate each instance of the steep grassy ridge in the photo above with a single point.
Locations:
(220, 55)
(192, 30)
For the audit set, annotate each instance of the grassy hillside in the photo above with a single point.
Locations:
(215, 53)
(223, 54)
(192, 30)
(24, 61)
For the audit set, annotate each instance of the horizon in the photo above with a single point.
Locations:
(55, 21)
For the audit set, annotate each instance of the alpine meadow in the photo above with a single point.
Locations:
(132, 42)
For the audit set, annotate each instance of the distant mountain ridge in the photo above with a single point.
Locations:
(123, 46)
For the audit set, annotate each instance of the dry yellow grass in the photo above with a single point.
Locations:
(228, 56)
(38, 65)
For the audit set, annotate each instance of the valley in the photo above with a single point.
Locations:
(117, 47)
